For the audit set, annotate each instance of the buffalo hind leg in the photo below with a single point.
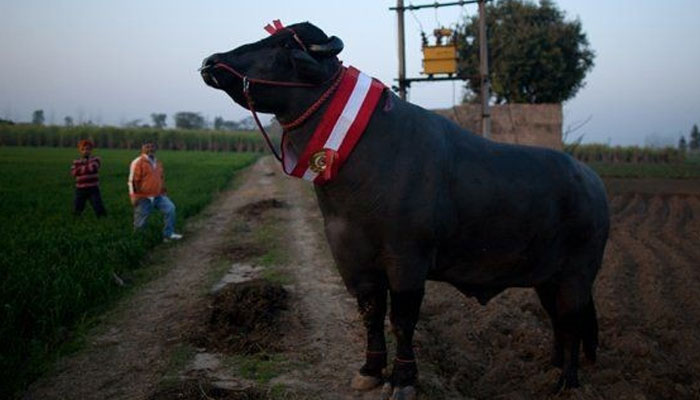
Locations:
(572, 323)
(548, 297)
(590, 332)
(371, 301)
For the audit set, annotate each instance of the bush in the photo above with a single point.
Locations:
(631, 154)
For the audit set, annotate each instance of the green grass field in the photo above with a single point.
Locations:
(687, 169)
(56, 270)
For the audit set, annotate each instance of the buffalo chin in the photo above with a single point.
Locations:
(210, 79)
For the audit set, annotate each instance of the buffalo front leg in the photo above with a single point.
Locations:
(371, 301)
(405, 307)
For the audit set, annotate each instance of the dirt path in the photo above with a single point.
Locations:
(647, 296)
(128, 357)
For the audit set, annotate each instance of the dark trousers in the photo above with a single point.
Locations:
(92, 194)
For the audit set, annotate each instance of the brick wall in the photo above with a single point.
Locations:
(531, 124)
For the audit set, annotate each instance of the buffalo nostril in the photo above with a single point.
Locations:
(209, 62)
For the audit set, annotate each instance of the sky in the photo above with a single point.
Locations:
(111, 62)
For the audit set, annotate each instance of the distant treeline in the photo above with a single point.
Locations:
(629, 154)
(130, 138)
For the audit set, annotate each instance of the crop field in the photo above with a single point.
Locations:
(56, 270)
(686, 169)
(109, 137)
(602, 153)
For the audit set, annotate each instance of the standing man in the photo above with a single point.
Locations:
(147, 191)
(87, 181)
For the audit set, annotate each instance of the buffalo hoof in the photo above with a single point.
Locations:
(567, 380)
(398, 393)
(364, 382)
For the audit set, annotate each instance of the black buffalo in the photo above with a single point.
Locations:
(421, 198)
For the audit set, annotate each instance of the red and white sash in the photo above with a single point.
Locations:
(340, 129)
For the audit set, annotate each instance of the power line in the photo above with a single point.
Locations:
(435, 5)
(413, 14)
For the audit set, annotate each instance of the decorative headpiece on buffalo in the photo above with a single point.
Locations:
(331, 47)
(277, 27)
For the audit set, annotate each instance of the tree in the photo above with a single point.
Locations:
(682, 145)
(218, 123)
(38, 117)
(247, 124)
(68, 121)
(135, 123)
(159, 120)
(694, 144)
(535, 55)
(189, 120)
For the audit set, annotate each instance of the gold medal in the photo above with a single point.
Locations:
(317, 163)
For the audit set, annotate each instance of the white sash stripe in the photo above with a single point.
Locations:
(290, 158)
(347, 117)
(340, 129)
(309, 175)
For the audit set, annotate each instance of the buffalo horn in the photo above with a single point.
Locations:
(332, 47)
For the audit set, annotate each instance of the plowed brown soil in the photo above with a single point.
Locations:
(648, 300)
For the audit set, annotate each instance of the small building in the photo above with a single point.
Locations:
(529, 124)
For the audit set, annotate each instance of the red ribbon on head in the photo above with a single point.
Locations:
(274, 29)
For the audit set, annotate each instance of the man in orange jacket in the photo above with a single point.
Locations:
(147, 191)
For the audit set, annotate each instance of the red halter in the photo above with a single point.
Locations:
(337, 76)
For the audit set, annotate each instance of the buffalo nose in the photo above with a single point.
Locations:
(206, 72)
(209, 62)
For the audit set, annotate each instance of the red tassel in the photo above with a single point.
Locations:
(331, 156)
(270, 29)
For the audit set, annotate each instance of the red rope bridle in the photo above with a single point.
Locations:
(247, 81)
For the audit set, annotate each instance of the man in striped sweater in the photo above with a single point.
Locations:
(147, 191)
(87, 182)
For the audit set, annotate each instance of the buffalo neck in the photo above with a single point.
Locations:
(300, 101)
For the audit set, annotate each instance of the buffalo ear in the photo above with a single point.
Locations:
(308, 68)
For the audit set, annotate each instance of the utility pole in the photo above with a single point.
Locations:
(483, 57)
(484, 69)
(402, 50)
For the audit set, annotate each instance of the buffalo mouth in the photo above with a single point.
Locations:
(208, 76)
(207, 72)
